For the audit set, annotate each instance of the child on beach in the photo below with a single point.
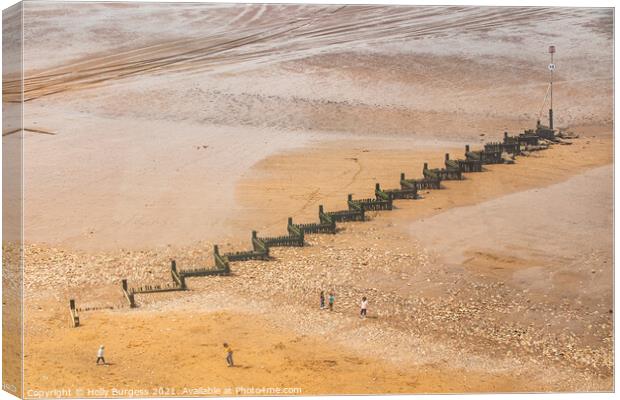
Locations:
(229, 355)
(322, 300)
(332, 298)
(363, 307)
(100, 355)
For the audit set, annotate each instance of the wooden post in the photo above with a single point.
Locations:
(290, 221)
(466, 148)
(129, 296)
(425, 166)
(181, 278)
(75, 319)
(402, 176)
(321, 209)
(350, 197)
(447, 156)
(377, 187)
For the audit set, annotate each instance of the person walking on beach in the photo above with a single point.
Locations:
(363, 307)
(100, 355)
(322, 300)
(229, 355)
(332, 298)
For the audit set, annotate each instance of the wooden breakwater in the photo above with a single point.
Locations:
(383, 200)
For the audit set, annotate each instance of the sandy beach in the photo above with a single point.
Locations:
(154, 141)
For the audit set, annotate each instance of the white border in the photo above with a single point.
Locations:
(552, 3)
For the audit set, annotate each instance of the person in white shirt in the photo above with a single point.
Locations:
(363, 307)
(100, 355)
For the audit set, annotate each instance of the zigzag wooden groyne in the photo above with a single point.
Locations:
(473, 161)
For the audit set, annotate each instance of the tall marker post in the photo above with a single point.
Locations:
(551, 69)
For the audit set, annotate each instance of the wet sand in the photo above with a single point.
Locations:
(183, 134)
